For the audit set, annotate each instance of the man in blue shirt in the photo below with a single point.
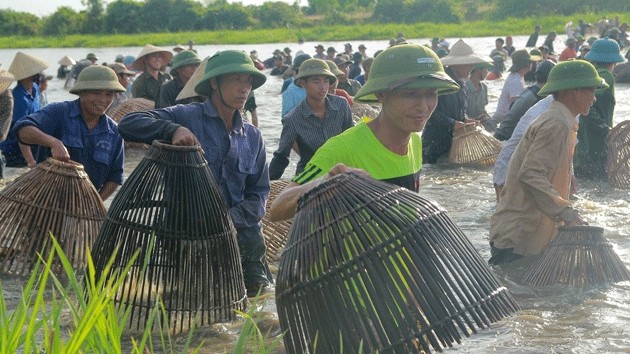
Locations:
(25, 68)
(235, 150)
(80, 130)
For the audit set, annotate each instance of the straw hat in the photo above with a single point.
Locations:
(183, 58)
(314, 67)
(229, 62)
(462, 54)
(605, 50)
(406, 66)
(6, 78)
(520, 59)
(138, 64)
(24, 66)
(189, 89)
(97, 77)
(572, 74)
(66, 61)
(178, 48)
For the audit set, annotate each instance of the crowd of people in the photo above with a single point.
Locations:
(424, 93)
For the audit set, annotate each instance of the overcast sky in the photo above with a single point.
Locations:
(46, 7)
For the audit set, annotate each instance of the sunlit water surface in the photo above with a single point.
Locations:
(553, 320)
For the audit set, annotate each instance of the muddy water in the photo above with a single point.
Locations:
(554, 319)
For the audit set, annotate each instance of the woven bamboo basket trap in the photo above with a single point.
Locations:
(55, 197)
(129, 106)
(275, 233)
(578, 256)
(618, 160)
(371, 265)
(171, 202)
(475, 146)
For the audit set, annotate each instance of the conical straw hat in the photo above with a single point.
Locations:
(6, 78)
(66, 61)
(189, 89)
(138, 64)
(25, 65)
(462, 54)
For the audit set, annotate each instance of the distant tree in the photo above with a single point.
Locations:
(436, 11)
(222, 15)
(155, 16)
(19, 23)
(323, 6)
(122, 16)
(62, 22)
(95, 16)
(389, 11)
(186, 15)
(277, 14)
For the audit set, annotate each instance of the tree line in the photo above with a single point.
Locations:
(150, 16)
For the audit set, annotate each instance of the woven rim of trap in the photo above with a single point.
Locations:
(129, 106)
(473, 145)
(64, 168)
(275, 233)
(358, 267)
(164, 145)
(578, 256)
(618, 159)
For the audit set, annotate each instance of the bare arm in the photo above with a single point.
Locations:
(34, 136)
(285, 204)
(108, 188)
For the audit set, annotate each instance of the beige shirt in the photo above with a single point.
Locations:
(535, 196)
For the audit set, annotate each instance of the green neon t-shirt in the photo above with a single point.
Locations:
(358, 147)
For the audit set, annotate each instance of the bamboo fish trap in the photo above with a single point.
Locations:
(618, 161)
(475, 146)
(368, 264)
(275, 233)
(129, 106)
(578, 256)
(55, 197)
(172, 202)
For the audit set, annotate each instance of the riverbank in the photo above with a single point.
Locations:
(325, 33)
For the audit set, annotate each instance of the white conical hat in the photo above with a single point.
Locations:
(462, 54)
(138, 64)
(6, 78)
(66, 61)
(25, 65)
(189, 89)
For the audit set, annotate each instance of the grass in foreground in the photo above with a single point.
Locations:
(39, 324)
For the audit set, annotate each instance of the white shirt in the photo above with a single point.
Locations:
(514, 85)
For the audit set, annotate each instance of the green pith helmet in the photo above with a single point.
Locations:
(406, 66)
(97, 77)
(185, 57)
(572, 74)
(91, 56)
(312, 67)
(333, 67)
(520, 59)
(229, 62)
(605, 50)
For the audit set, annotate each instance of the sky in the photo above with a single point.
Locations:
(46, 7)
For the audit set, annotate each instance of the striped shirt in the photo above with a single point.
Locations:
(309, 131)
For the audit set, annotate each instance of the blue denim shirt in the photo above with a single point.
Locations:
(236, 158)
(291, 97)
(23, 104)
(100, 150)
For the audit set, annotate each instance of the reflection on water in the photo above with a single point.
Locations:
(554, 319)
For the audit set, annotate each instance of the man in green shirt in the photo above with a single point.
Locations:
(406, 79)
(150, 61)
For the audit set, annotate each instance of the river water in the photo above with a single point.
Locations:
(553, 319)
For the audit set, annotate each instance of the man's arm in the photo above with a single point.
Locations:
(107, 189)
(148, 126)
(32, 135)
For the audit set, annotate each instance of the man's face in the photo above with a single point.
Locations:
(153, 61)
(185, 72)
(409, 109)
(94, 103)
(584, 99)
(234, 89)
(316, 86)
(344, 68)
